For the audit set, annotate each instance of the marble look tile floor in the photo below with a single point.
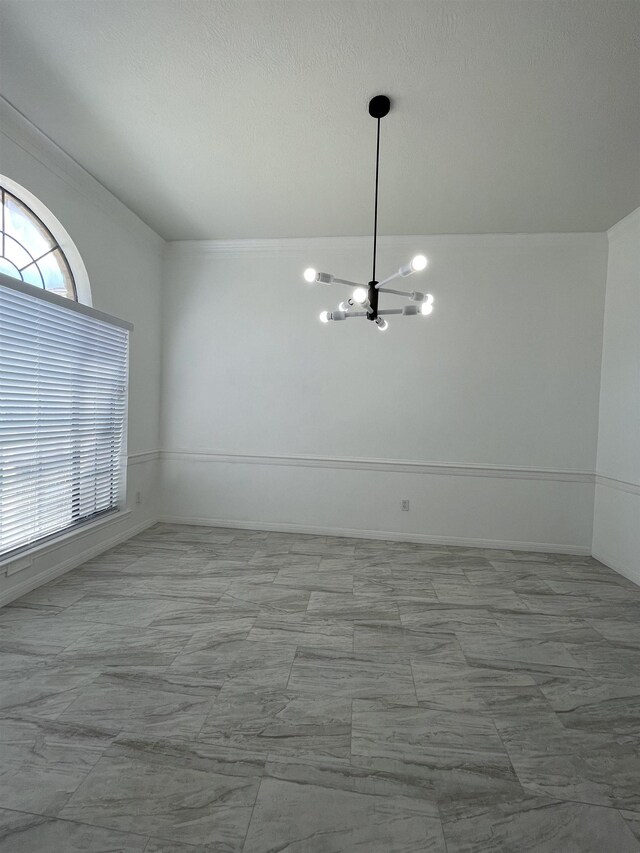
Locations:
(199, 690)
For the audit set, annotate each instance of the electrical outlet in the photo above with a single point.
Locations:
(404, 506)
(138, 497)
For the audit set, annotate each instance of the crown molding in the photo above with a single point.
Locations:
(409, 243)
(395, 466)
(20, 130)
(632, 220)
(618, 485)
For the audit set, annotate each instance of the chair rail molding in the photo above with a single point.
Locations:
(395, 466)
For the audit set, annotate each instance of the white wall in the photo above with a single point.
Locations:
(616, 533)
(485, 415)
(123, 258)
(492, 401)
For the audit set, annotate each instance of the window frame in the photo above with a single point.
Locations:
(58, 233)
(21, 551)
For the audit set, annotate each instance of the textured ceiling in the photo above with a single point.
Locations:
(243, 119)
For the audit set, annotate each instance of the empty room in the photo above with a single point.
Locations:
(320, 426)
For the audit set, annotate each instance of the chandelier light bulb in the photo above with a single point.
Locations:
(426, 308)
(345, 305)
(360, 294)
(382, 324)
(324, 316)
(310, 275)
(429, 299)
(417, 264)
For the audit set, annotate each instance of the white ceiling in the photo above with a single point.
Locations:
(249, 119)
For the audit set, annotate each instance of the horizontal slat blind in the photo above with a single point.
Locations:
(63, 398)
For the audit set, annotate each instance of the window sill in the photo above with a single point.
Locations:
(25, 559)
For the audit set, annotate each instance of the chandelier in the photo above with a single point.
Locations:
(364, 299)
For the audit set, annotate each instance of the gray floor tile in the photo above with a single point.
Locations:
(119, 645)
(42, 763)
(44, 636)
(137, 705)
(598, 704)
(569, 764)
(452, 687)
(181, 793)
(329, 773)
(395, 588)
(446, 618)
(632, 819)
(452, 591)
(518, 653)
(120, 610)
(243, 661)
(424, 736)
(304, 818)
(56, 594)
(160, 845)
(605, 660)
(31, 833)
(561, 629)
(320, 580)
(625, 634)
(335, 605)
(320, 672)
(395, 642)
(536, 825)
(268, 597)
(40, 687)
(279, 722)
(292, 629)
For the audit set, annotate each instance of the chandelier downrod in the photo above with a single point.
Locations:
(375, 205)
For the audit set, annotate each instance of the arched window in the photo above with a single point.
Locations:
(35, 248)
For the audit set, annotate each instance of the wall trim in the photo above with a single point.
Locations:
(143, 456)
(393, 466)
(388, 535)
(305, 245)
(35, 581)
(618, 485)
(17, 127)
(25, 558)
(621, 570)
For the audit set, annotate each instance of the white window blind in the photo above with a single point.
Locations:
(63, 402)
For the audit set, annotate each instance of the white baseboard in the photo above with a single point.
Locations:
(59, 569)
(392, 536)
(621, 570)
